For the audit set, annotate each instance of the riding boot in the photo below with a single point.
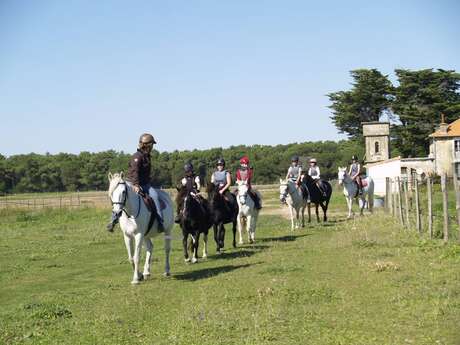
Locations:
(256, 199)
(112, 223)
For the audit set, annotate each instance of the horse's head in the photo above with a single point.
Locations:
(118, 193)
(284, 190)
(342, 174)
(242, 191)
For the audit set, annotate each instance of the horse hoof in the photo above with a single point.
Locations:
(205, 256)
(194, 260)
(135, 282)
(167, 274)
(187, 260)
(240, 242)
(146, 275)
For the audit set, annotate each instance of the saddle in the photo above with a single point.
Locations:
(150, 204)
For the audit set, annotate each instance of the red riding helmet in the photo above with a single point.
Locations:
(244, 160)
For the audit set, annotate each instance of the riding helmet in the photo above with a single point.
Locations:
(221, 161)
(188, 167)
(354, 157)
(295, 159)
(313, 160)
(244, 160)
(147, 139)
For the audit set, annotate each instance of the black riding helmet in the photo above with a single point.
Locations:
(354, 157)
(295, 159)
(188, 167)
(221, 161)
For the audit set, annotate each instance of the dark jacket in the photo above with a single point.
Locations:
(139, 168)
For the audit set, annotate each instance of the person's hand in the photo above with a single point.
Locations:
(136, 189)
(221, 192)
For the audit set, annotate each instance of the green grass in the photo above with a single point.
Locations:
(65, 280)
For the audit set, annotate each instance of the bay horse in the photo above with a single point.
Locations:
(318, 197)
(223, 211)
(134, 217)
(351, 191)
(195, 219)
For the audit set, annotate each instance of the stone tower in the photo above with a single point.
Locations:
(377, 138)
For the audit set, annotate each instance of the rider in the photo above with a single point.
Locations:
(314, 173)
(139, 175)
(295, 170)
(221, 178)
(244, 174)
(355, 171)
(191, 182)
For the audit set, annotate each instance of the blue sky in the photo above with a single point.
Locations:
(93, 75)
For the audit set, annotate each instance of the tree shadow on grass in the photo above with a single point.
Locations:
(286, 238)
(208, 272)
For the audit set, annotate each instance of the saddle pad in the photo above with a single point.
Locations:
(364, 182)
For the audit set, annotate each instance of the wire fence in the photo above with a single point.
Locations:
(426, 204)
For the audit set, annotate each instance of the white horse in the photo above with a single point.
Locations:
(350, 190)
(247, 214)
(134, 218)
(293, 196)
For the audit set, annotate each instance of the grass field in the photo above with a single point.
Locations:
(65, 280)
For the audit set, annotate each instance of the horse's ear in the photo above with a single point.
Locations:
(110, 176)
(177, 188)
(122, 174)
(281, 180)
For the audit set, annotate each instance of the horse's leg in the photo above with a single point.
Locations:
(185, 245)
(363, 204)
(324, 207)
(205, 245)
(216, 236)
(249, 228)
(221, 236)
(148, 256)
(129, 248)
(138, 240)
(350, 206)
(303, 217)
(317, 213)
(292, 217)
(195, 248)
(168, 239)
(240, 228)
(297, 218)
(234, 234)
(309, 212)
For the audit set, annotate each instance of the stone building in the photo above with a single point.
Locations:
(444, 154)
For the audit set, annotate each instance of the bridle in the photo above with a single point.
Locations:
(286, 193)
(125, 198)
(244, 196)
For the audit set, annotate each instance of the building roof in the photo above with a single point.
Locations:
(453, 130)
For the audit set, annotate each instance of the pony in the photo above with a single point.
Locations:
(195, 220)
(247, 213)
(350, 190)
(223, 211)
(295, 199)
(317, 197)
(134, 216)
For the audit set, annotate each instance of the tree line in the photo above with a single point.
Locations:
(88, 171)
(413, 104)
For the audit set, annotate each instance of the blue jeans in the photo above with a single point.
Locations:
(147, 189)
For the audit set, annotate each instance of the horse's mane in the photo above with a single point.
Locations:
(114, 181)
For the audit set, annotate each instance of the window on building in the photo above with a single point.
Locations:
(457, 170)
(376, 147)
(457, 145)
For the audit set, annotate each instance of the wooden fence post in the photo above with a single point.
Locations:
(445, 205)
(457, 197)
(400, 213)
(429, 194)
(387, 194)
(406, 202)
(417, 207)
(392, 200)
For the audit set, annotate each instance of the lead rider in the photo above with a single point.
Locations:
(139, 175)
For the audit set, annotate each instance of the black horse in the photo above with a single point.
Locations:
(195, 219)
(317, 196)
(224, 209)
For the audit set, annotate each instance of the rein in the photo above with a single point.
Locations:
(123, 203)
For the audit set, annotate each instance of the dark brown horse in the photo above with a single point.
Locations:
(224, 210)
(317, 196)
